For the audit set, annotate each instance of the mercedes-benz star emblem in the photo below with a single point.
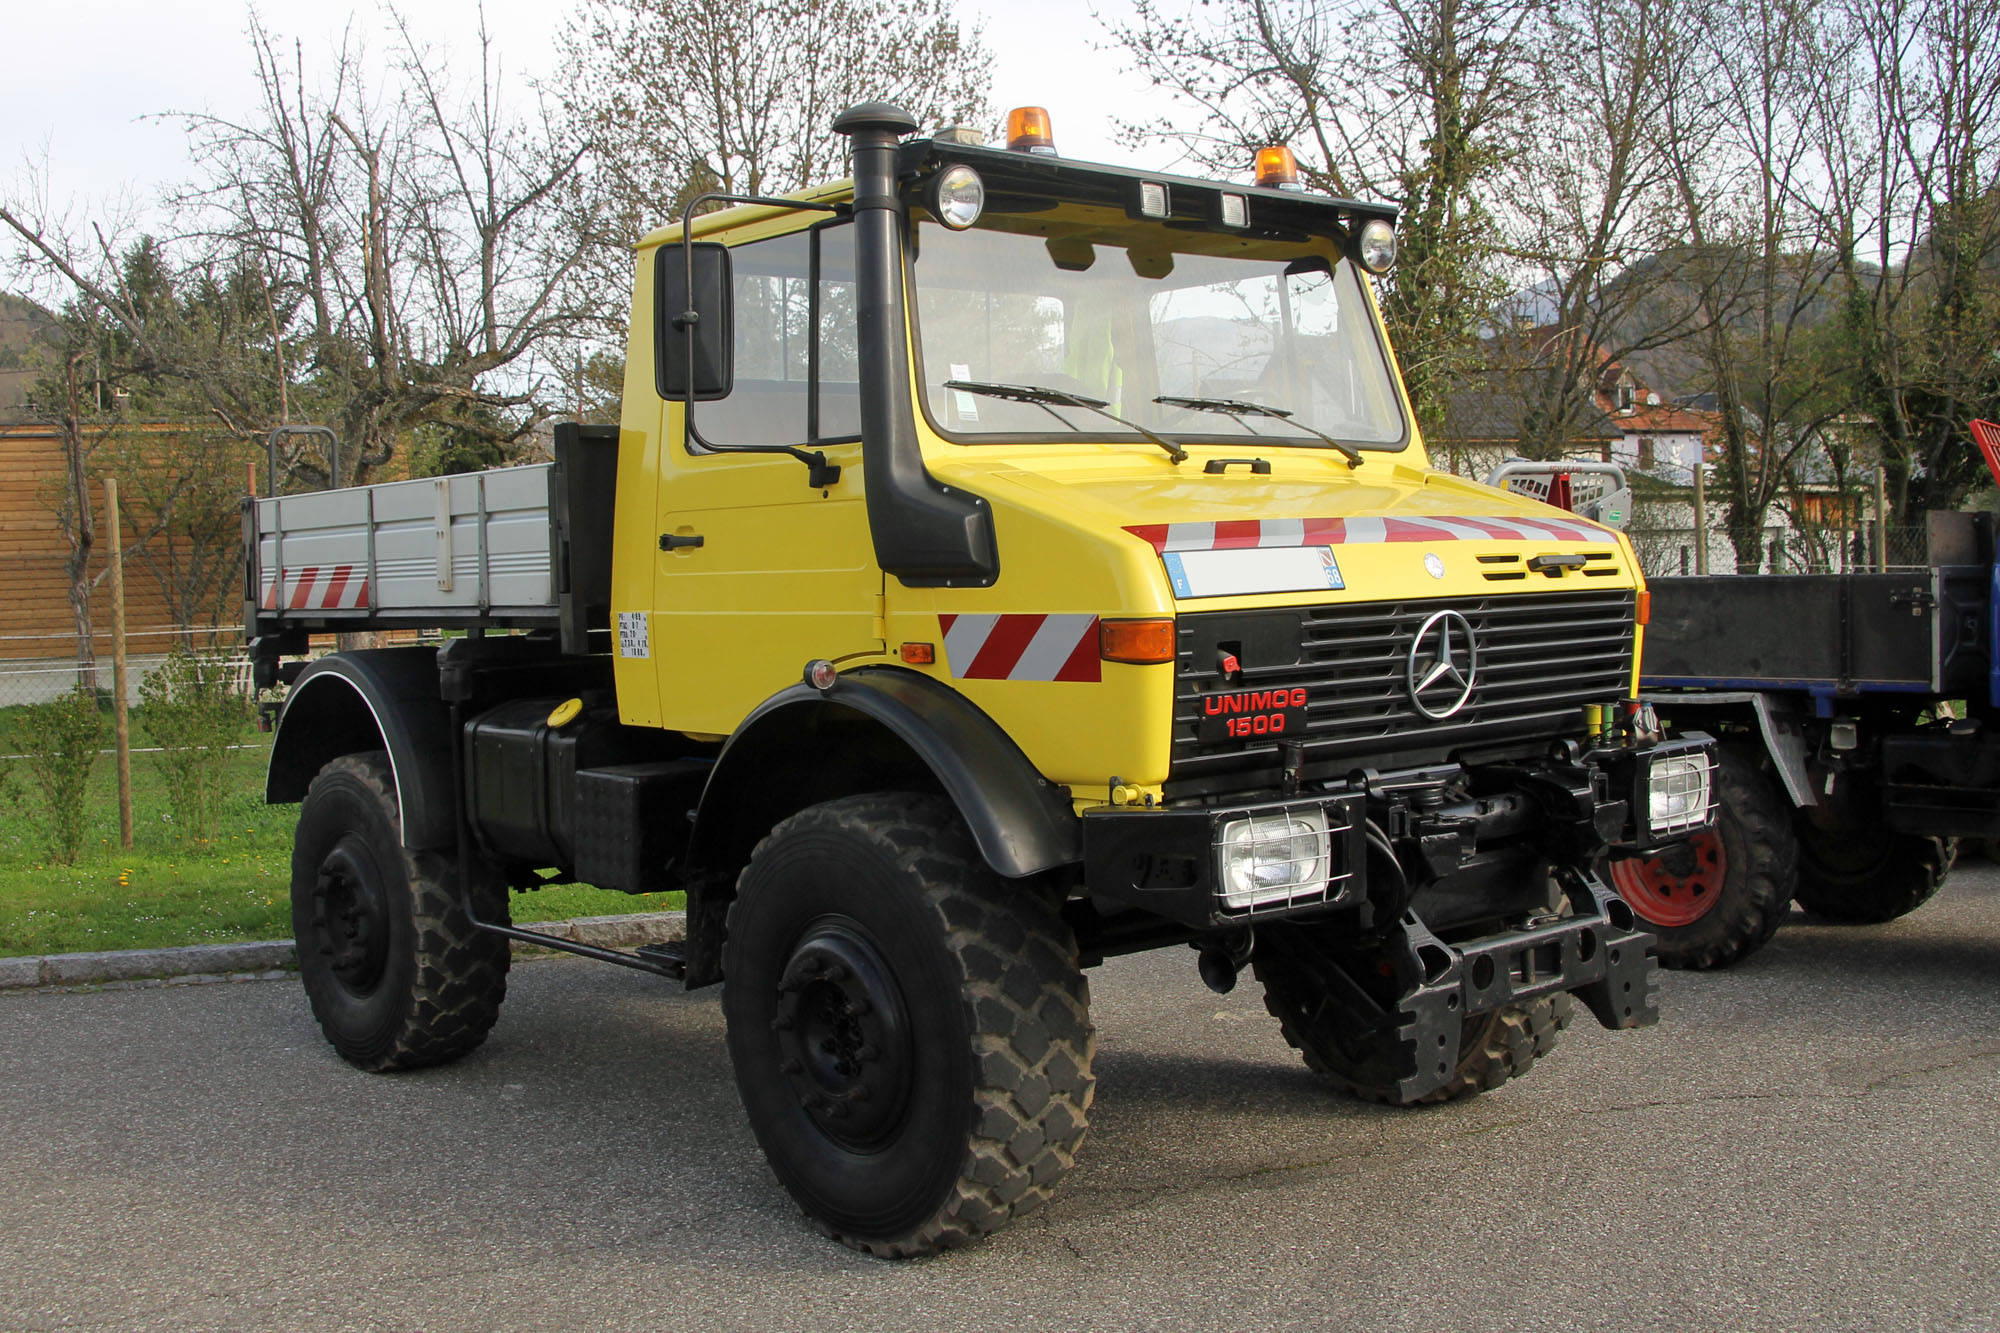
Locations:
(1443, 664)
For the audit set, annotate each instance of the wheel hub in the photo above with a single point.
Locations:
(1678, 887)
(351, 919)
(843, 1037)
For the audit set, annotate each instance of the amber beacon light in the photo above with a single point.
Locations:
(1029, 131)
(1277, 169)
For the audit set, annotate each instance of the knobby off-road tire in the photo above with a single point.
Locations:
(1492, 1048)
(911, 1034)
(397, 974)
(1720, 897)
(1857, 871)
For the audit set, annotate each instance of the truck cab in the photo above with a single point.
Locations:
(1001, 563)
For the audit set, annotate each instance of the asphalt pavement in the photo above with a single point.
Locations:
(1810, 1141)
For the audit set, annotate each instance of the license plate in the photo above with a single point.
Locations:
(1252, 714)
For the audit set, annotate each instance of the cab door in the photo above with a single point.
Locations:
(759, 572)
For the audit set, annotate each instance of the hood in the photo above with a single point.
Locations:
(1306, 499)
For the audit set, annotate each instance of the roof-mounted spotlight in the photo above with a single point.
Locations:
(956, 196)
(1375, 246)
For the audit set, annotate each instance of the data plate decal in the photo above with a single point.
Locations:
(633, 639)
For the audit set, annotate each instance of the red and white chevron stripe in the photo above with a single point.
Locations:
(1254, 532)
(1021, 647)
(319, 588)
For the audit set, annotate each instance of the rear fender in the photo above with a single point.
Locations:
(1779, 724)
(373, 699)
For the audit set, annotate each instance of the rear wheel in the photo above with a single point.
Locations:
(397, 974)
(1365, 1062)
(1856, 870)
(910, 1033)
(1719, 896)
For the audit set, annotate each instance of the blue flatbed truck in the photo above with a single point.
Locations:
(1859, 721)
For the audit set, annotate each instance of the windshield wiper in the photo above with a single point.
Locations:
(1041, 397)
(1236, 407)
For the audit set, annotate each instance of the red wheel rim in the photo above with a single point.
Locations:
(1663, 898)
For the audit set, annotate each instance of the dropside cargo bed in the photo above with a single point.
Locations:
(515, 548)
(1917, 632)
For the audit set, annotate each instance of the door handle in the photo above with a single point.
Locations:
(674, 542)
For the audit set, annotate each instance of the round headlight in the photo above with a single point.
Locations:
(957, 196)
(1376, 246)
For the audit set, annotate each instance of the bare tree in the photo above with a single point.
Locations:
(420, 252)
(1418, 101)
(1595, 236)
(740, 95)
(1911, 128)
(184, 487)
(84, 406)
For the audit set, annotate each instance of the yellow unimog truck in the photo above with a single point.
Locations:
(1002, 563)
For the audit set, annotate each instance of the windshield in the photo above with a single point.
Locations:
(1119, 316)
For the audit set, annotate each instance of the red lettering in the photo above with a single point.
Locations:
(1277, 722)
(1212, 705)
(1299, 697)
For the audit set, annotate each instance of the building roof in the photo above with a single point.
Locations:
(1493, 415)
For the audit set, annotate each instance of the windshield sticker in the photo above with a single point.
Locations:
(1247, 534)
(962, 402)
(1242, 571)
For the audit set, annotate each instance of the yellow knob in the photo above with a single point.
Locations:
(565, 712)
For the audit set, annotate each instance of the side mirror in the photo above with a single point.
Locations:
(701, 351)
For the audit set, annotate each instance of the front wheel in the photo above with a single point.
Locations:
(910, 1033)
(1367, 1062)
(1719, 896)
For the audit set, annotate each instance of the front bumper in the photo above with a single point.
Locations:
(1459, 832)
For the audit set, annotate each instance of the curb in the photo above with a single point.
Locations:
(264, 958)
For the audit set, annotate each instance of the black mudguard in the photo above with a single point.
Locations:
(372, 699)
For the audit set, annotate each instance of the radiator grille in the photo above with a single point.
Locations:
(1541, 657)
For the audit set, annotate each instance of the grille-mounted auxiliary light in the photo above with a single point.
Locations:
(1274, 859)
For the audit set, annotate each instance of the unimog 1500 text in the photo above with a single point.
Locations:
(1001, 563)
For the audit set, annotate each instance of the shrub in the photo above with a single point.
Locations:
(189, 711)
(61, 739)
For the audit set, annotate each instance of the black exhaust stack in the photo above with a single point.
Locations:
(927, 534)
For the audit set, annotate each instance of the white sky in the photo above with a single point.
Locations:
(83, 82)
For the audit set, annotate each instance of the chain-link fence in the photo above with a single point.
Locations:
(1670, 551)
(174, 598)
(35, 668)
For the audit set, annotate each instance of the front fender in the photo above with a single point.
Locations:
(1022, 822)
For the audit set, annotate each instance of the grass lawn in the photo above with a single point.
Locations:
(170, 890)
